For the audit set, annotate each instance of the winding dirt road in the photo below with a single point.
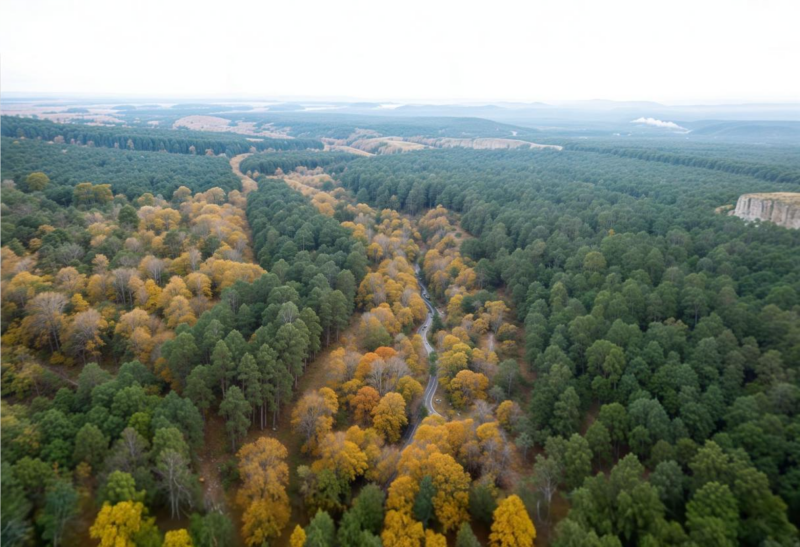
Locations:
(433, 381)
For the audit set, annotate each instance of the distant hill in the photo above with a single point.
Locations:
(765, 130)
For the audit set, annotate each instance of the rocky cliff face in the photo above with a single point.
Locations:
(781, 208)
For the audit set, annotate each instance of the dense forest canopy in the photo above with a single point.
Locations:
(728, 165)
(339, 126)
(152, 140)
(434, 347)
(129, 172)
(784, 154)
(638, 299)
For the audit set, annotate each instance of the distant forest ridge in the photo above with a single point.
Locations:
(149, 140)
(781, 174)
(340, 126)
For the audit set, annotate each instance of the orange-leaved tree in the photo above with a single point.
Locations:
(362, 404)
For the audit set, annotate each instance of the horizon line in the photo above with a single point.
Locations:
(244, 97)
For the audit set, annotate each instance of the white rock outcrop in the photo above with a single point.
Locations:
(781, 208)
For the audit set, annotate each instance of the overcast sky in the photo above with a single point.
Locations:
(674, 51)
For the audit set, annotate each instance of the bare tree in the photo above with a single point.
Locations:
(155, 268)
(483, 411)
(351, 360)
(396, 368)
(195, 259)
(133, 244)
(547, 473)
(45, 313)
(377, 376)
(83, 332)
(128, 453)
(176, 480)
(122, 277)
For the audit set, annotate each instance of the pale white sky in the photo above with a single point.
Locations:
(672, 51)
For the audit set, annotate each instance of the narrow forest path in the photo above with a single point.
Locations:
(210, 464)
(248, 184)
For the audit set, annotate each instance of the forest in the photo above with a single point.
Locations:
(148, 140)
(323, 125)
(760, 171)
(130, 173)
(650, 325)
(438, 347)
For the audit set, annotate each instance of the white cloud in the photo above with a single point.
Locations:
(660, 123)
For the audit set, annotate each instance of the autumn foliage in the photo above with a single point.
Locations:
(262, 496)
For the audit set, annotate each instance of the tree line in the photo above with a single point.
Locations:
(268, 163)
(341, 126)
(726, 165)
(148, 140)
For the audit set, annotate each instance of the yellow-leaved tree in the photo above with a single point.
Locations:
(467, 387)
(116, 525)
(508, 414)
(264, 473)
(265, 519)
(409, 388)
(402, 493)
(345, 458)
(432, 539)
(512, 527)
(298, 538)
(452, 490)
(400, 530)
(177, 538)
(389, 417)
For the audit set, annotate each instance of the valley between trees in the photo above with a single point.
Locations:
(433, 347)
